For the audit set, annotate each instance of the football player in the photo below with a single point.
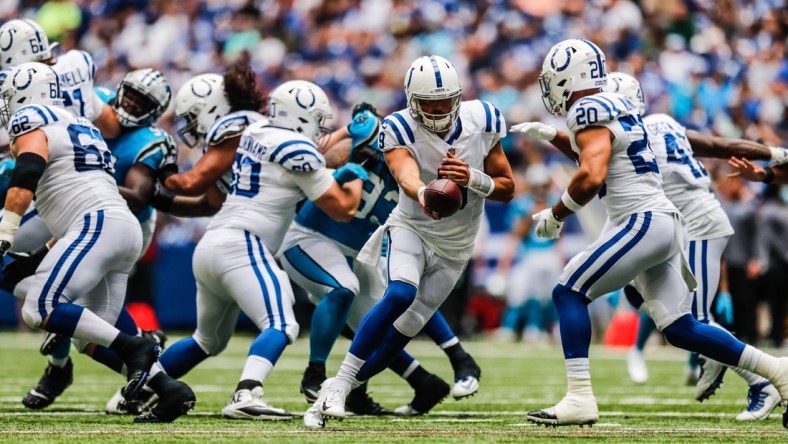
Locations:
(437, 135)
(644, 240)
(79, 288)
(319, 253)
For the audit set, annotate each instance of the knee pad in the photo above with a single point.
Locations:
(30, 314)
(400, 294)
(413, 320)
(211, 346)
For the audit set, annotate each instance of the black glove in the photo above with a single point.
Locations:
(364, 106)
(162, 199)
(4, 247)
(24, 265)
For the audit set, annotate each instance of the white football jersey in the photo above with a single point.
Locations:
(633, 183)
(274, 170)
(227, 126)
(78, 176)
(684, 179)
(75, 71)
(479, 127)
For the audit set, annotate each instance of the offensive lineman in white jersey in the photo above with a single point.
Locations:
(645, 240)
(277, 165)
(688, 186)
(438, 135)
(79, 288)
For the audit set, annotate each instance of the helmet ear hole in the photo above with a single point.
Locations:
(562, 82)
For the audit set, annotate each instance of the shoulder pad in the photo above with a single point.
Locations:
(597, 109)
(493, 119)
(298, 155)
(227, 126)
(396, 130)
(29, 118)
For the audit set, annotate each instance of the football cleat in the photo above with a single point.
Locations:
(156, 335)
(466, 378)
(50, 386)
(314, 375)
(331, 401)
(249, 404)
(118, 405)
(313, 419)
(429, 393)
(636, 366)
(139, 357)
(51, 342)
(711, 374)
(360, 403)
(691, 374)
(175, 399)
(762, 399)
(572, 410)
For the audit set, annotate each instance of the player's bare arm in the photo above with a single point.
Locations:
(139, 187)
(327, 142)
(107, 122)
(189, 206)
(406, 172)
(34, 144)
(341, 202)
(338, 154)
(721, 148)
(594, 145)
(211, 166)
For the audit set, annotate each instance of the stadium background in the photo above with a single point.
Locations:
(717, 66)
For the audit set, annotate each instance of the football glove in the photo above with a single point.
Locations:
(24, 265)
(537, 130)
(547, 225)
(363, 130)
(723, 309)
(349, 172)
(364, 106)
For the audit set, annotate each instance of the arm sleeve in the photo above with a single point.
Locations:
(315, 183)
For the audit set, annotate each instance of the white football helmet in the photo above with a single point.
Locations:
(143, 96)
(625, 84)
(200, 102)
(572, 65)
(23, 41)
(301, 106)
(29, 83)
(432, 78)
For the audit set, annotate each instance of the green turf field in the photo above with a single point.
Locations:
(516, 378)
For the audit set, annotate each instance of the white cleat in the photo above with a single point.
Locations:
(711, 374)
(313, 419)
(406, 410)
(331, 401)
(572, 410)
(465, 387)
(636, 366)
(249, 404)
(763, 398)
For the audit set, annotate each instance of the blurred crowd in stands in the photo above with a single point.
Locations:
(719, 66)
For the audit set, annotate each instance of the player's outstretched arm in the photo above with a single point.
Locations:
(538, 130)
(107, 122)
(210, 168)
(721, 148)
(405, 171)
(594, 144)
(139, 187)
(341, 200)
(188, 206)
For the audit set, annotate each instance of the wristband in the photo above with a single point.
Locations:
(570, 203)
(769, 175)
(480, 183)
(420, 194)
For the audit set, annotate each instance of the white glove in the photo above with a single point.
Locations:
(779, 155)
(547, 226)
(537, 130)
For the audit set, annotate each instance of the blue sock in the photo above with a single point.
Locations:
(393, 343)
(328, 320)
(181, 357)
(533, 314)
(438, 329)
(269, 344)
(401, 362)
(646, 327)
(126, 324)
(107, 357)
(376, 324)
(687, 333)
(574, 322)
(62, 350)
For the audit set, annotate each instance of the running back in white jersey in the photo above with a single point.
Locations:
(274, 170)
(78, 176)
(75, 71)
(227, 126)
(479, 127)
(633, 183)
(685, 180)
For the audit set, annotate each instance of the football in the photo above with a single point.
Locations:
(443, 197)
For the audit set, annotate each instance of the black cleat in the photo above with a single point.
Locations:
(360, 403)
(430, 391)
(51, 342)
(139, 357)
(466, 378)
(314, 375)
(50, 386)
(175, 399)
(156, 335)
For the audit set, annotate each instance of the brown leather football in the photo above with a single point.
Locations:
(443, 197)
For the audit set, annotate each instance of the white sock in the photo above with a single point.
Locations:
(760, 363)
(413, 366)
(92, 328)
(749, 377)
(57, 362)
(154, 370)
(256, 368)
(348, 371)
(578, 377)
(449, 343)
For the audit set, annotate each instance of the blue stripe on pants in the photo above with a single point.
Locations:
(277, 287)
(705, 278)
(55, 271)
(692, 269)
(309, 267)
(259, 275)
(600, 251)
(80, 256)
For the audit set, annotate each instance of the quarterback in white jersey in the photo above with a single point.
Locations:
(79, 288)
(277, 165)
(644, 243)
(437, 135)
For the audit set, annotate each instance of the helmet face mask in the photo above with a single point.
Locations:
(142, 97)
(437, 115)
(434, 93)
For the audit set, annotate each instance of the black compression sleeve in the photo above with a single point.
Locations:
(28, 171)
